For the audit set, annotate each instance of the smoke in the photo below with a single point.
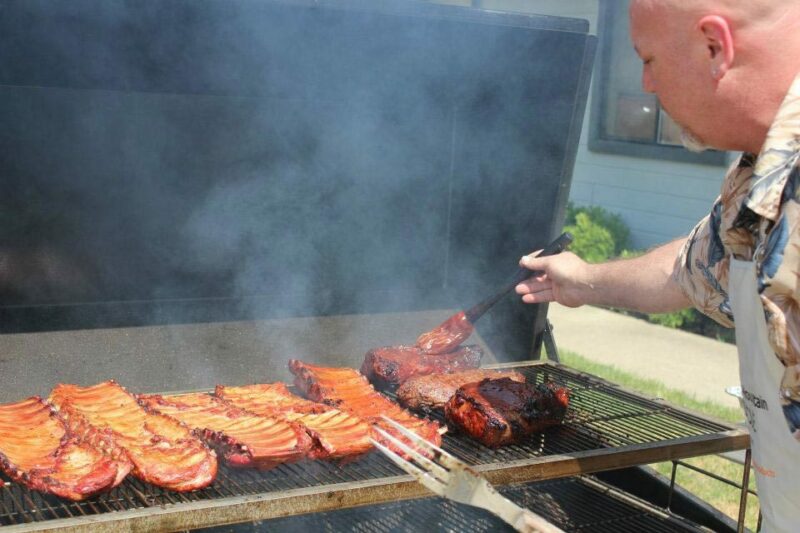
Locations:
(268, 159)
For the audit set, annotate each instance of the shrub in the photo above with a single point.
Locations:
(630, 254)
(677, 319)
(611, 222)
(592, 242)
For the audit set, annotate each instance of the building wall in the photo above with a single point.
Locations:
(659, 200)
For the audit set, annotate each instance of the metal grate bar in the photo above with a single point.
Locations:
(34, 510)
(45, 506)
(16, 505)
(127, 495)
(5, 512)
(8, 507)
(106, 503)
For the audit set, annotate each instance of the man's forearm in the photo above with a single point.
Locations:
(644, 283)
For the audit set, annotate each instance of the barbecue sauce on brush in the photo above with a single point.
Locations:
(447, 336)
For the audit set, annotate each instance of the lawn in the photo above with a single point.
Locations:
(718, 494)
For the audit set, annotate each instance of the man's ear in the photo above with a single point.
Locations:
(719, 41)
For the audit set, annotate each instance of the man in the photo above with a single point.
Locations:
(728, 71)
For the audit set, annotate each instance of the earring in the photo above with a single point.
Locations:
(714, 72)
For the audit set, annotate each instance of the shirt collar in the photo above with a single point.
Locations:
(777, 158)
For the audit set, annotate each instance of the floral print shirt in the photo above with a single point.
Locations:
(756, 218)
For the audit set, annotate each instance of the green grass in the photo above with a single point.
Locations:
(651, 388)
(721, 496)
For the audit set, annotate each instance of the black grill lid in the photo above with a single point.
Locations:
(192, 160)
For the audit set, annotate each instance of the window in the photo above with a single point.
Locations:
(625, 120)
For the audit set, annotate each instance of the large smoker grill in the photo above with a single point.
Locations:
(196, 191)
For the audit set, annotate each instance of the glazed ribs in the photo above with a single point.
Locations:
(335, 434)
(242, 438)
(38, 450)
(347, 389)
(496, 412)
(393, 365)
(432, 392)
(163, 451)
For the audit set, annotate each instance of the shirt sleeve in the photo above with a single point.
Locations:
(701, 269)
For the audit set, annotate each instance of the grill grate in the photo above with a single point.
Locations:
(601, 418)
(573, 504)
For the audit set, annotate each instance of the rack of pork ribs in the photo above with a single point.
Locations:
(348, 390)
(38, 449)
(85, 440)
(333, 433)
(161, 450)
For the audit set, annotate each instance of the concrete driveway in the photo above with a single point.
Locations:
(684, 361)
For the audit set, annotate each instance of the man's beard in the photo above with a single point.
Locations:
(692, 142)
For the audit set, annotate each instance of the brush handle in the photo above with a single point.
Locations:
(555, 247)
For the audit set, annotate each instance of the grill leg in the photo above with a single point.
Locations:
(743, 497)
(672, 484)
(550, 342)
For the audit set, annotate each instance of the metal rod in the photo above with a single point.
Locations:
(550, 347)
(69, 513)
(715, 476)
(49, 508)
(745, 490)
(91, 504)
(240, 488)
(140, 495)
(672, 484)
(4, 508)
(35, 510)
(21, 512)
(125, 495)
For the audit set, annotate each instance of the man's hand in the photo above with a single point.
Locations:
(563, 278)
(643, 283)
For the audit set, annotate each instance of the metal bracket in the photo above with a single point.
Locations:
(744, 487)
(549, 342)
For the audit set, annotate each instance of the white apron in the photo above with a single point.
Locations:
(776, 453)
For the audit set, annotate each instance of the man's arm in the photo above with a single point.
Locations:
(644, 283)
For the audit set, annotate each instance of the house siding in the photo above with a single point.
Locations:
(658, 200)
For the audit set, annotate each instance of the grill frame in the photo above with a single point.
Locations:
(239, 496)
(581, 503)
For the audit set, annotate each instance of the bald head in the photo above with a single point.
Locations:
(738, 11)
(719, 67)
